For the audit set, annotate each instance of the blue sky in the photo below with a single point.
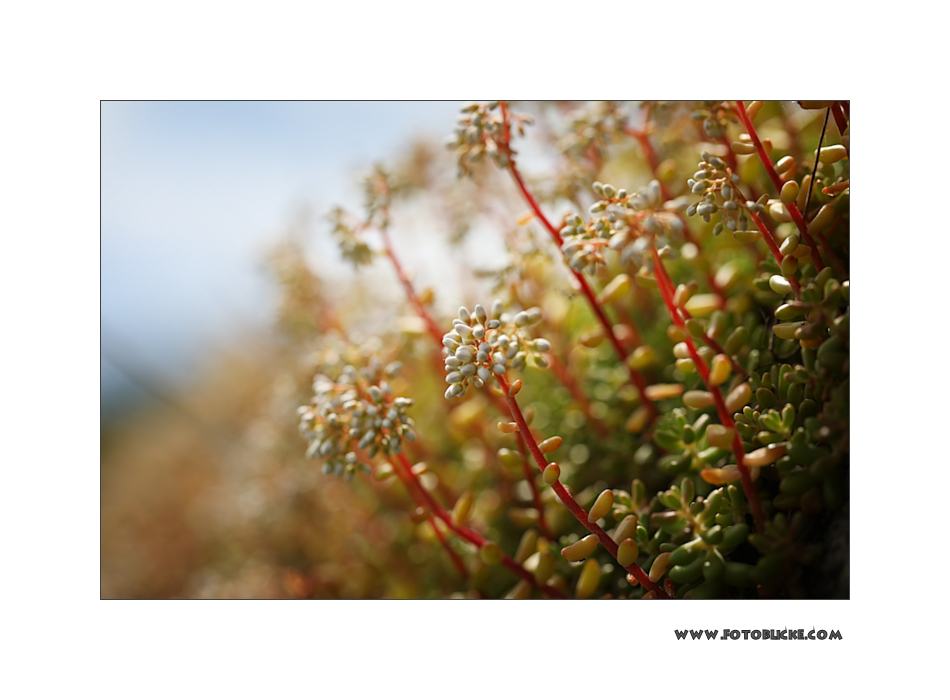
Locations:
(192, 194)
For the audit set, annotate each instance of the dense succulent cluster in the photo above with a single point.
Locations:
(484, 344)
(353, 414)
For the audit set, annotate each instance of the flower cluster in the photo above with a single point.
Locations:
(353, 409)
(594, 127)
(715, 117)
(629, 221)
(480, 131)
(481, 345)
(716, 182)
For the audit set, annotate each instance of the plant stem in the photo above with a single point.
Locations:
(776, 253)
(456, 559)
(814, 170)
(466, 533)
(535, 494)
(736, 367)
(420, 308)
(666, 291)
(792, 208)
(411, 487)
(840, 121)
(635, 376)
(565, 496)
(644, 140)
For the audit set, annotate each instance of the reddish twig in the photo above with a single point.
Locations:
(644, 140)
(565, 496)
(635, 376)
(666, 291)
(456, 559)
(415, 490)
(840, 121)
(535, 493)
(420, 308)
(792, 207)
(470, 535)
(736, 367)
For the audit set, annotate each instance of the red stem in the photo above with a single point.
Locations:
(736, 367)
(421, 310)
(666, 291)
(730, 156)
(652, 159)
(411, 292)
(456, 559)
(840, 121)
(535, 494)
(792, 207)
(411, 486)
(635, 376)
(650, 155)
(773, 246)
(567, 499)
(470, 535)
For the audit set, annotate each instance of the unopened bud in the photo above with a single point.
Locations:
(589, 579)
(581, 549)
(627, 553)
(602, 506)
(626, 529)
(659, 566)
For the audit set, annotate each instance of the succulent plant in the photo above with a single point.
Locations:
(704, 447)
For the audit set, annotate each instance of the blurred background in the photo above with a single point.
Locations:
(193, 196)
(208, 208)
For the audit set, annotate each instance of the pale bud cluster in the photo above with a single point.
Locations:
(716, 183)
(484, 344)
(480, 132)
(715, 117)
(594, 126)
(356, 410)
(629, 222)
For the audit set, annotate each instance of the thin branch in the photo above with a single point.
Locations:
(644, 140)
(814, 170)
(792, 208)
(666, 291)
(565, 496)
(635, 376)
(468, 534)
(420, 308)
